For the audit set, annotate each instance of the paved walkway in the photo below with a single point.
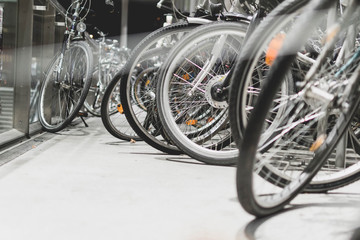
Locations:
(82, 183)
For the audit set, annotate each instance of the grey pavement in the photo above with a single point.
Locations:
(82, 183)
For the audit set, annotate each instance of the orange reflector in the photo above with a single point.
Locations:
(331, 33)
(210, 119)
(274, 48)
(191, 122)
(319, 141)
(186, 76)
(120, 108)
(147, 82)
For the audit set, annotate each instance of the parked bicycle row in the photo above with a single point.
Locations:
(271, 87)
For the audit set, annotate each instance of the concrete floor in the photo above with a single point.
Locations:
(82, 183)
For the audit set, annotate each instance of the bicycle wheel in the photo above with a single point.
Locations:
(251, 74)
(290, 137)
(65, 87)
(138, 100)
(112, 113)
(192, 110)
(101, 78)
(252, 66)
(94, 97)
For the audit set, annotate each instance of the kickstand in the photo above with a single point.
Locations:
(82, 119)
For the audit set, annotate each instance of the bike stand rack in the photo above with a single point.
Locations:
(82, 115)
(82, 119)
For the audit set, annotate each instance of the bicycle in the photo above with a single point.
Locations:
(191, 106)
(291, 133)
(193, 88)
(68, 77)
(110, 58)
(136, 84)
(140, 106)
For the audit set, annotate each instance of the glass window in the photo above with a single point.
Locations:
(7, 63)
(42, 50)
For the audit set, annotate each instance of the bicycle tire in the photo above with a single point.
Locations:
(253, 148)
(185, 117)
(101, 78)
(144, 51)
(115, 121)
(72, 81)
(246, 62)
(94, 97)
(248, 67)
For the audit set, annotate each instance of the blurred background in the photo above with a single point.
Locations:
(30, 34)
